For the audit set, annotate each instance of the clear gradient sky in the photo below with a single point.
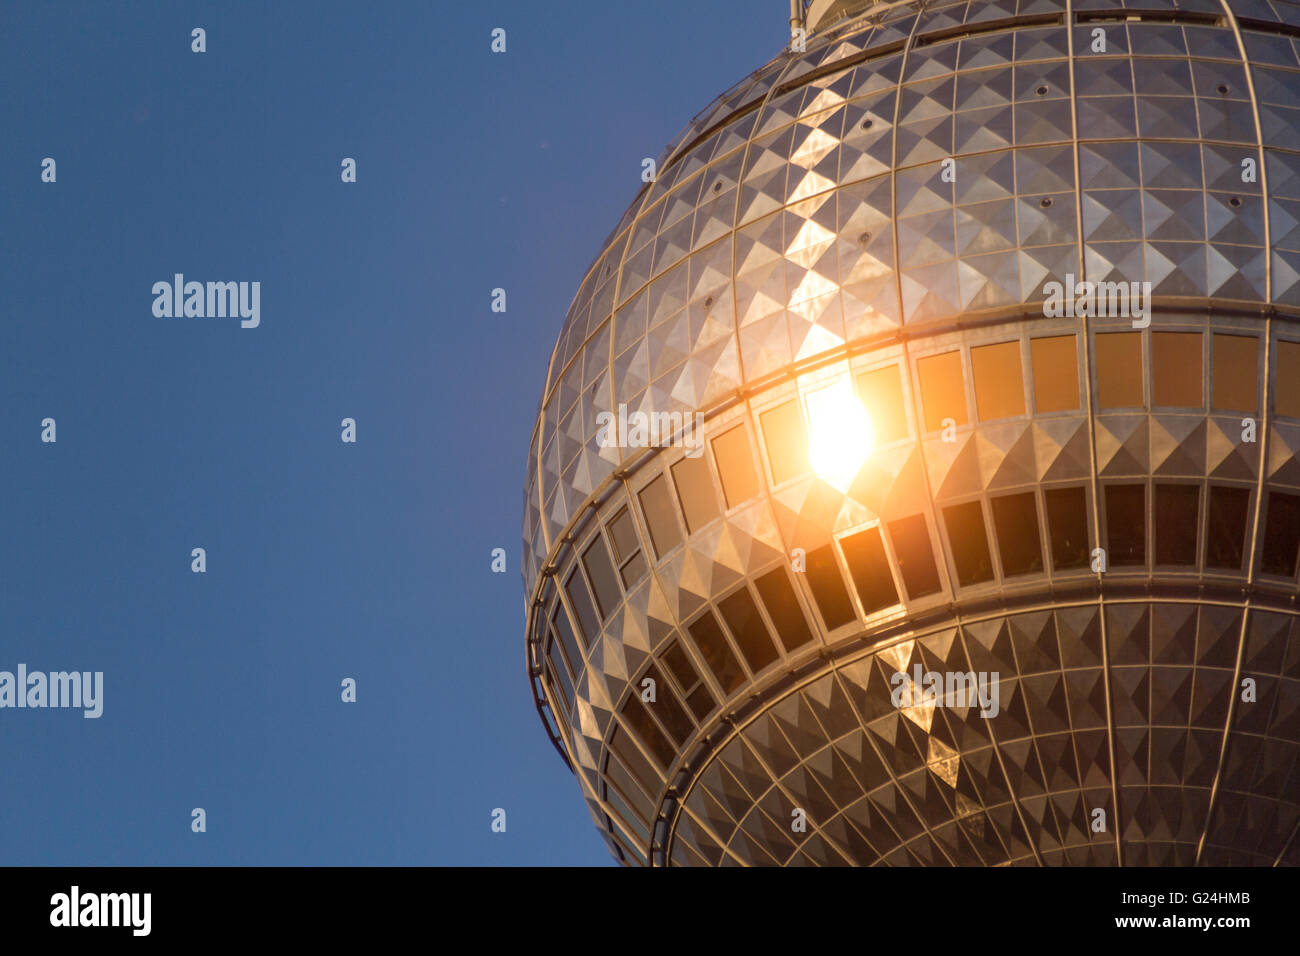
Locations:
(325, 560)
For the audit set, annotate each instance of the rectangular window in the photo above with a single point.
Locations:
(626, 785)
(666, 708)
(911, 541)
(1225, 531)
(783, 608)
(576, 588)
(1286, 383)
(562, 636)
(735, 462)
(747, 627)
(717, 652)
(701, 702)
(1176, 367)
(1016, 519)
(622, 534)
(679, 665)
(627, 548)
(626, 815)
(1236, 373)
(621, 769)
(864, 553)
(1119, 370)
(881, 392)
(787, 441)
(969, 543)
(660, 516)
(828, 588)
(1281, 534)
(943, 389)
(643, 725)
(1067, 527)
(560, 676)
(1126, 525)
(1175, 523)
(695, 492)
(600, 571)
(1055, 362)
(999, 381)
(696, 694)
(633, 571)
(621, 744)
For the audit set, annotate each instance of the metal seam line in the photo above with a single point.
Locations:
(1095, 509)
(751, 419)
(1260, 481)
(902, 318)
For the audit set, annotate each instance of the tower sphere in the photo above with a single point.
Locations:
(915, 478)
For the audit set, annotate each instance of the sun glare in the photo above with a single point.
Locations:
(840, 435)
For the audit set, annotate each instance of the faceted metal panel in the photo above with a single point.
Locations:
(905, 189)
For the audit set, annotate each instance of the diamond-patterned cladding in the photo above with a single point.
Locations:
(904, 189)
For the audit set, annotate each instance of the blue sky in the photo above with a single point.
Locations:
(325, 560)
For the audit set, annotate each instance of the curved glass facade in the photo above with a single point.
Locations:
(1053, 250)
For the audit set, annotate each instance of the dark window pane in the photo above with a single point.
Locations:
(679, 665)
(1067, 526)
(864, 553)
(717, 652)
(701, 702)
(695, 492)
(1126, 525)
(666, 708)
(632, 820)
(639, 719)
(1119, 370)
(560, 676)
(911, 542)
(1175, 523)
(970, 543)
(1225, 543)
(999, 382)
(1056, 373)
(634, 570)
(1281, 534)
(627, 784)
(637, 765)
(660, 516)
(563, 641)
(943, 389)
(627, 548)
(1286, 383)
(576, 588)
(1176, 364)
(622, 533)
(1236, 372)
(787, 441)
(1016, 519)
(596, 560)
(783, 608)
(747, 627)
(735, 466)
(881, 391)
(562, 633)
(828, 588)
